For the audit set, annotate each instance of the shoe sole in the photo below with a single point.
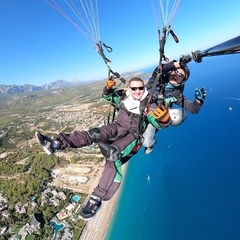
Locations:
(148, 151)
(44, 148)
(87, 219)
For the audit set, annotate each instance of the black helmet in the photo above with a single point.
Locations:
(185, 69)
(187, 72)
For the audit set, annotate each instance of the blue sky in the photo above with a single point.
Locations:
(38, 45)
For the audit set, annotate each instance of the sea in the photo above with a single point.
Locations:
(188, 188)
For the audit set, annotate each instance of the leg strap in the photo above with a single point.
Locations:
(94, 134)
(113, 153)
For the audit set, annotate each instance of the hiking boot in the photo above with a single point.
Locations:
(90, 209)
(148, 150)
(49, 145)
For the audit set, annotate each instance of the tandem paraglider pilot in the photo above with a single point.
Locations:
(120, 137)
(169, 91)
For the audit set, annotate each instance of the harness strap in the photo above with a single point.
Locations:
(158, 78)
(154, 85)
(106, 60)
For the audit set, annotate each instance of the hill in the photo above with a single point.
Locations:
(15, 89)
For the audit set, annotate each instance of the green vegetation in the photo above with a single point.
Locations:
(28, 102)
(20, 186)
(25, 171)
(28, 179)
(27, 112)
(7, 119)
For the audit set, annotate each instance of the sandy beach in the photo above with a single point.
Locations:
(97, 227)
(84, 178)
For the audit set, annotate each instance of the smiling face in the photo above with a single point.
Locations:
(136, 88)
(177, 76)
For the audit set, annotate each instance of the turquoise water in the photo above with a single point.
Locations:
(194, 187)
(75, 198)
(57, 228)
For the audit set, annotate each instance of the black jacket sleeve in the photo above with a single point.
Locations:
(107, 91)
(192, 107)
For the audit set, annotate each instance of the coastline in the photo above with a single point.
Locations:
(97, 227)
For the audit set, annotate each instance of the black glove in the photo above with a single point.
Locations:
(200, 94)
(184, 60)
(196, 56)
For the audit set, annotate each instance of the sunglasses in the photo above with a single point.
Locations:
(179, 74)
(135, 88)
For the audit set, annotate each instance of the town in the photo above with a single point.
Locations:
(68, 182)
(40, 194)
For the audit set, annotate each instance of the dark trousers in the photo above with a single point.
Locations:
(108, 184)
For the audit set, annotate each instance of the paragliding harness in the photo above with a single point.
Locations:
(159, 77)
(158, 80)
(112, 115)
(115, 75)
(106, 61)
(166, 94)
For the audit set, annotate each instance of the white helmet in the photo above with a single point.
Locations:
(178, 116)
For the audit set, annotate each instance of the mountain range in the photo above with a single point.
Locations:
(13, 88)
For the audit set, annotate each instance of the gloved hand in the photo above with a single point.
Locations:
(184, 60)
(200, 94)
(197, 56)
(110, 83)
(161, 114)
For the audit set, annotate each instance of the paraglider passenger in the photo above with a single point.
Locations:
(121, 135)
(170, 91)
